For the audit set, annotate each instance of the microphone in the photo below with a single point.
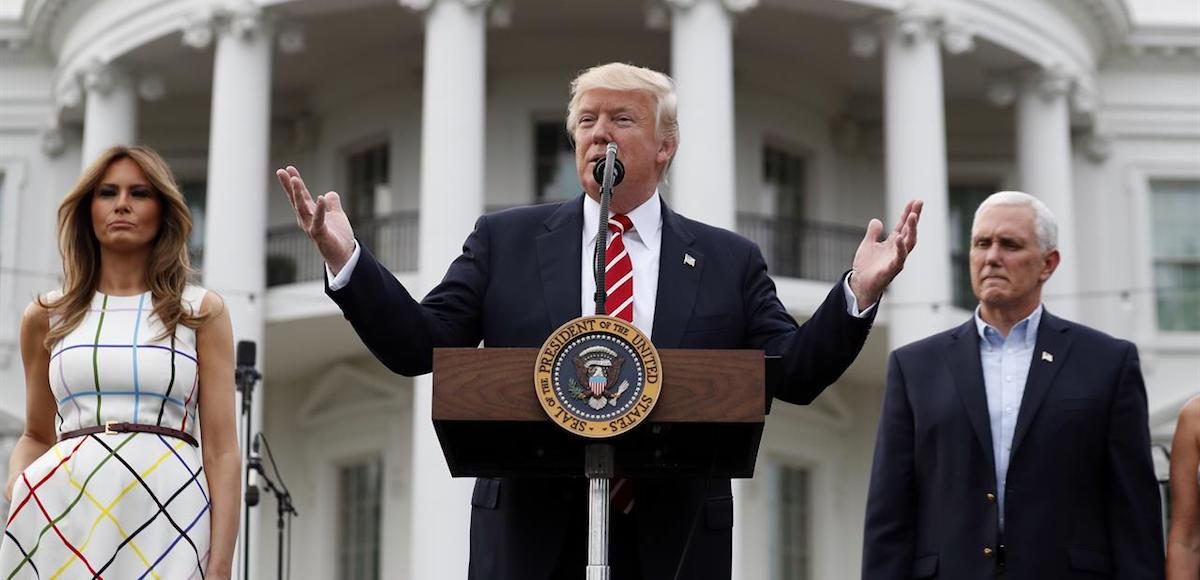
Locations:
(254, 464)
(246, 351)
(610, 160)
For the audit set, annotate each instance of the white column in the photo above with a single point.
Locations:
(703, 185)
(452, 151)
(110, 110)
(1043, 138)
(915, 142)
(238, 178)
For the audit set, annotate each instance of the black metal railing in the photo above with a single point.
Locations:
(392, 238)
(801, 248)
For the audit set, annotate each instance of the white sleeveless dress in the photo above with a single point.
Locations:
(125, 505)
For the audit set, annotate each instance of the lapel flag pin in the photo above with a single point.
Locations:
(689, 260)
(1047, 356)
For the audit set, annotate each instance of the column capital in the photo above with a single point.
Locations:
(423, 5)
(198, 30)
(911, 25)
(53, 141)
(292, 38)
(1049, 83)
(70, 95)
(958, 35)
(102, 77)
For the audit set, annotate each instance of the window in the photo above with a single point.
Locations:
(793, 556)
(1176, 244)
(360, 506)
(782, 203)
(555, 176)
(195, 193)
(964, 200)
(366, 191)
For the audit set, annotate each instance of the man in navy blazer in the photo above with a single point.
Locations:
(1018, 443)
(523, 272)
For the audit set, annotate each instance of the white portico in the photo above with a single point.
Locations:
(799, 121)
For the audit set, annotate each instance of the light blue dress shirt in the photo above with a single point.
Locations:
(1006, 362)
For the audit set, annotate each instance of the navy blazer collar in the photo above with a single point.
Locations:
(558, 257)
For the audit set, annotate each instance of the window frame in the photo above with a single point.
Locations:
(1139, 184)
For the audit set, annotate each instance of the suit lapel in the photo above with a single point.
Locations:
(967, 370)
(559, 252)
(1054, 340)
(678, 281)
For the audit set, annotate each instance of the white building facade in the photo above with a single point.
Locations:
(800, 120)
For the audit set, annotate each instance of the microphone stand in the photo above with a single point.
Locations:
(598, 457)
(245, 376)
(283, 502)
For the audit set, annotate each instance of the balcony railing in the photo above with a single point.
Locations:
(800, 248)
(291, 256)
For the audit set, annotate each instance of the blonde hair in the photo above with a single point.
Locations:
(619, 76)
(168, 269)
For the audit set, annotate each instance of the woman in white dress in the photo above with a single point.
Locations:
(1183, 541)
(128, 466)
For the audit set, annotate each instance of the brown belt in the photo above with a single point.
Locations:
(114, 427)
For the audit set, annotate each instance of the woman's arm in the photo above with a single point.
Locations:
(1183, 541)
(39, 433)
(218, 431)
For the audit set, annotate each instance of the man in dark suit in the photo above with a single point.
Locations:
(524, 272)
(1018, 443)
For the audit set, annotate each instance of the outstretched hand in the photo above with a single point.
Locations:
(876, 263)
(323, 220)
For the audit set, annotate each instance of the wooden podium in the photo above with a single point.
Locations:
(708, 421)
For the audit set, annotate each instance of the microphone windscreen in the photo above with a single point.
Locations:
(245, 353)
(618, 172)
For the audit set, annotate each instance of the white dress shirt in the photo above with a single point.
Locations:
(1005, 361)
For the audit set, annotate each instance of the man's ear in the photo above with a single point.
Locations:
(1049, 264)
(666, 150)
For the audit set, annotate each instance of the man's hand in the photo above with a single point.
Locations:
(877, 263)
(323, 220)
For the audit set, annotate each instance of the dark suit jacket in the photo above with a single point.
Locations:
(1081, 499)
(517, 280)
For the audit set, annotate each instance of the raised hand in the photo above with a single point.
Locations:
(323, 220)
(876, 263)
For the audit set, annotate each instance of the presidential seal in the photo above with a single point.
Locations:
(597, 376)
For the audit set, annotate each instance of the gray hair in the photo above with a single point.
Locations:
(1044, 221)
(626, 77)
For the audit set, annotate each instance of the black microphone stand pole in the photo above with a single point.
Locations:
(283, 503)
(246, 376)
(598, 461)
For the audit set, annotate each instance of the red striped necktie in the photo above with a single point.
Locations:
(618, 273)
(618, 285)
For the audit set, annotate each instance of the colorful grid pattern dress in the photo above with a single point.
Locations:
(124, 505)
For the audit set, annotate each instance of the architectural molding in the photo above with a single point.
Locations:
(198, 30)
(102, 77)
(53, 140)
(344, 391)
(1096, 147)
(956, 34)
(1049, 83)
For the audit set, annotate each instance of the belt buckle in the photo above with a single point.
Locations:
(108, 427)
